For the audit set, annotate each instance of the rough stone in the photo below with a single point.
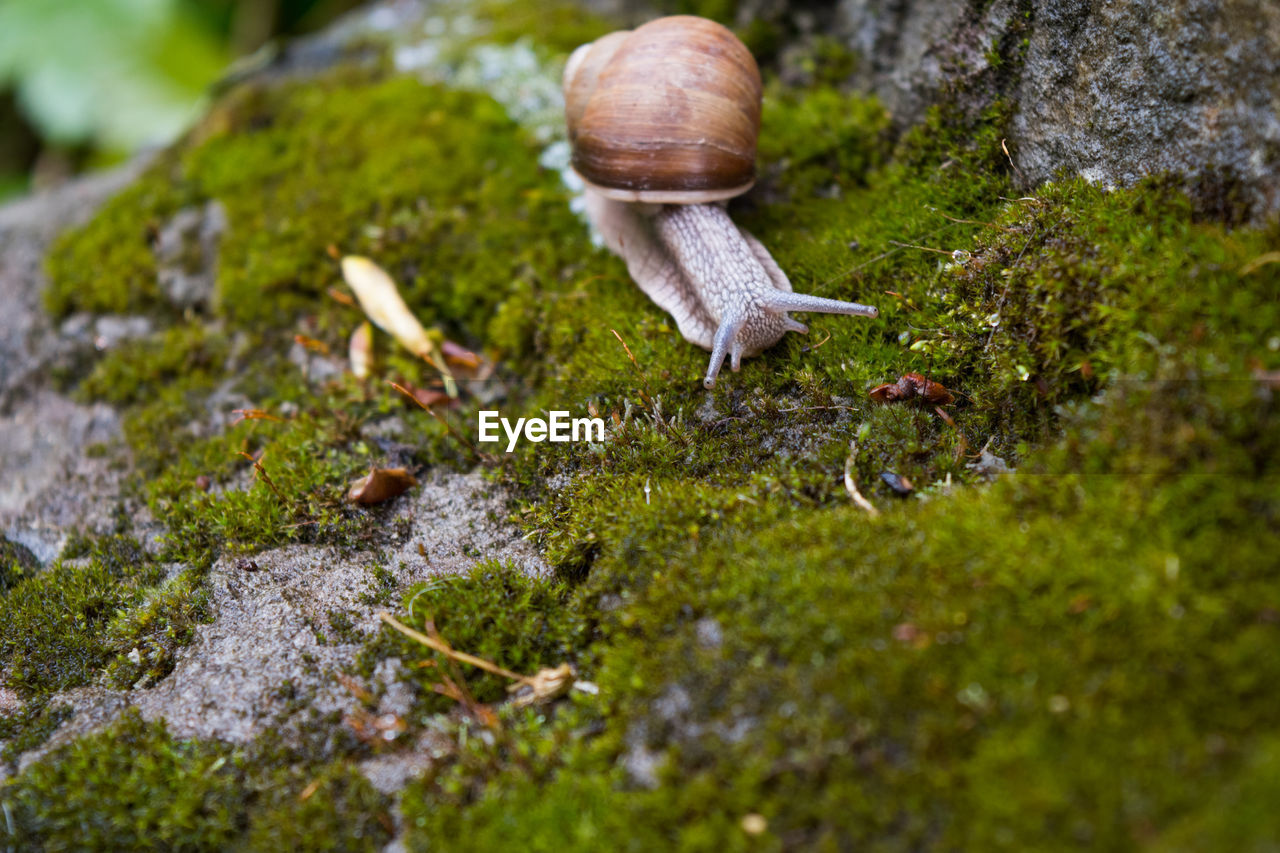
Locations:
(1111, 91)
(271, 644)
(186, 253)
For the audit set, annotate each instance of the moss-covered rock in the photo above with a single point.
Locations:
(1077, 653)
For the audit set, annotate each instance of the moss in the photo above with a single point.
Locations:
(1077, 654)
(558, 27)
(493, 611)
(335, 809)
(131, 787)
(135, 786)
(149, 634)
(187, 355)
(107, 266)
(30, 727)
(52, 624)
(16, 562)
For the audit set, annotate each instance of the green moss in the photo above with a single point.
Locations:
(16, 562)
(1079, 654)
(188, 355)
(132, 787)
(149, 634)
(335, 809)
(554, 26)
(494, 611)
(30, 727)
(107, 266)
(52, 624)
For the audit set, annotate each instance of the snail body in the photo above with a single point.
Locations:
(663, 122)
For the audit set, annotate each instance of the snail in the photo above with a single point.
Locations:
(663, 122)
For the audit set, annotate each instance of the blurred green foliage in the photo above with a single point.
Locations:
(87, 83)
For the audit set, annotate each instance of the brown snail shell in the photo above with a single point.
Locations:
(667, 113)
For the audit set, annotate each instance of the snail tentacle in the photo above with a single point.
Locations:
(726, 337)
(779, 302)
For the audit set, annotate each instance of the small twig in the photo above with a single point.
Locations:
(457, 685)
(262, 472)
(646, 396)
(254, 414)
(448, 426)
(851, 486)
(818, 344)
(1260, 261)
(627, 350)
(815, 409)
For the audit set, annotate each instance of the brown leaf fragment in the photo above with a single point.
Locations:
(311, 343)
(912, 386)
(253, 415)
(380, 484)
(431, 397)
(459, 355)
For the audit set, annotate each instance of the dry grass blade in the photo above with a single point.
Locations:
(851, 485)
(262, 472)
(1260, 261)
(448, 651)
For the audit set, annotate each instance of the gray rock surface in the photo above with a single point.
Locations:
(1110, 91)
(49, 484)
(270, 658)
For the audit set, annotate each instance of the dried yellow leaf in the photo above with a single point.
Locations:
(360, 350)
(381, 302)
